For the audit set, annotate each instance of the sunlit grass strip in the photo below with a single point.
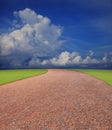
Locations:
(105, 75)
(7, 76)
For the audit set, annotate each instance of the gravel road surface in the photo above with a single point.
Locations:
(57, 100)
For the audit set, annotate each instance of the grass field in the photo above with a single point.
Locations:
(105, 75)
(7, 76)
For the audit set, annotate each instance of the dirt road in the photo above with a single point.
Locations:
(57, 100)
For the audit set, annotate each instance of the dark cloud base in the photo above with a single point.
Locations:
(87, 66)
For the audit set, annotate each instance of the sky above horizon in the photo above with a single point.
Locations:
(61, 33)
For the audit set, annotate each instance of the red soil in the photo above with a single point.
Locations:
(57, 100)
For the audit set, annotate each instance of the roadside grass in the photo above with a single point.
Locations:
(105, 75)
(7, 76)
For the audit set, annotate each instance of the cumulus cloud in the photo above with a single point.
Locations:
(107, 58)
(73, 58)
(89, 60)
(36, 42)
(36, 35)
(65, 59)
(104, 59)
(28, 16)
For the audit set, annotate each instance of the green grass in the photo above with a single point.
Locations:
(7, 76)
(105, 75)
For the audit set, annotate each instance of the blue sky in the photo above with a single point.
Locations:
(61, 33)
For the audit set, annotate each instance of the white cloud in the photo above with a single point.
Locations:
(36, 40)
(65, 59)
(36, 35)
(105, 58)
(73, 58)
(89, 60)
(77, 60)
(28, 16)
